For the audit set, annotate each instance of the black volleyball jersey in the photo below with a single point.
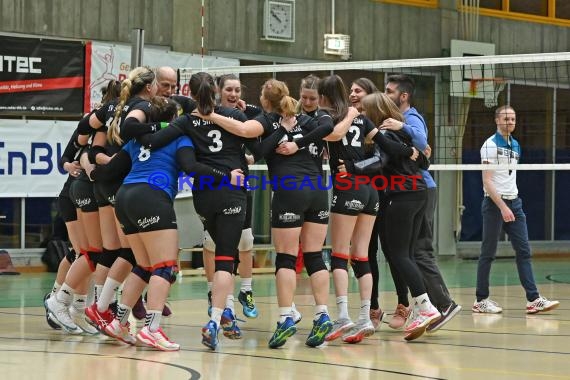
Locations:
(134, 103)
(214, 146)
(351, 146)
(306, 162)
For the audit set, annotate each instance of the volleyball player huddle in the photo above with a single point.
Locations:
(131, 139)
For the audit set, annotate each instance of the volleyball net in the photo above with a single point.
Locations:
(457, 97)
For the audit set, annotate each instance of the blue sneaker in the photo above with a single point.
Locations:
(210, 303)
(210, 335)
(283, 331)
(321, 327)
(229, 325)
(248, 303)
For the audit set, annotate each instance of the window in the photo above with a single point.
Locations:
(533, 7)
(10, 222)
(40, 217)
(562, 9)
(555, 12)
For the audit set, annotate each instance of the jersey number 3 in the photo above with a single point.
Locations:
(216, 140)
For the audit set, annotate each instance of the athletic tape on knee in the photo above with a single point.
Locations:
(143, 273)
(360, 266)
(224, 263)
(339, 261)
(71, 256)
(285, 261)
(167, 270)
(108, 257)
(128, 255)
(314, 262)
(246, 240)
(209, 242)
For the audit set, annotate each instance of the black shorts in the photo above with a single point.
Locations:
(81, 193)
(292, 208)
(354, 201)
(105, 192)
(140, 208)
(223, 214)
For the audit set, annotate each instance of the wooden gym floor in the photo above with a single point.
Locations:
(508, 346)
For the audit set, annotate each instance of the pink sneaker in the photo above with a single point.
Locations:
(121, 332)
(157, 339)
(376, 316)
(421, 321)
(400, 317)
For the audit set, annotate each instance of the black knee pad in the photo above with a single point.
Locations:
(108, 257)
(71, 256)
(339, 261)
(224, 265)
(167, 270)
(285, 261)
(360, 267)
(143, 273)
(127, 255)
(314, 262)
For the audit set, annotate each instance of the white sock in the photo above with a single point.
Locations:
(230, 303)
(123, 313)
(217, 315)
(364, 310)
(209, 286)
(285, 312)
(423, 303)
(320, 310)
(152, 320)
(65, 294)
(79, 301)
(342, 306)
(246, 284)
(55, 288)
(107, 293)
(97, 290)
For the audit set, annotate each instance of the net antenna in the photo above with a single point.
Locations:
(490, 88)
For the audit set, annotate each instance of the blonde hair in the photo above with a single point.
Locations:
(138, 78)
(310, 82)
(276, 94)
(379, 107)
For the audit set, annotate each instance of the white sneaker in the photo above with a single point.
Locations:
(487, 306)
(541, 304)
(60, 313)
(120, 332)
(362, 328)
(157, 340)
(78, 317)
(340, 326)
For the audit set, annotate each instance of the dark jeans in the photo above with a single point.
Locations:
(518, 234)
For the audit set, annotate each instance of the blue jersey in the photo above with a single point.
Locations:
(158, 168)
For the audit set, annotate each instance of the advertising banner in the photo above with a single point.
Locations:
(41, 76)
(109, 61)
(29, 155)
